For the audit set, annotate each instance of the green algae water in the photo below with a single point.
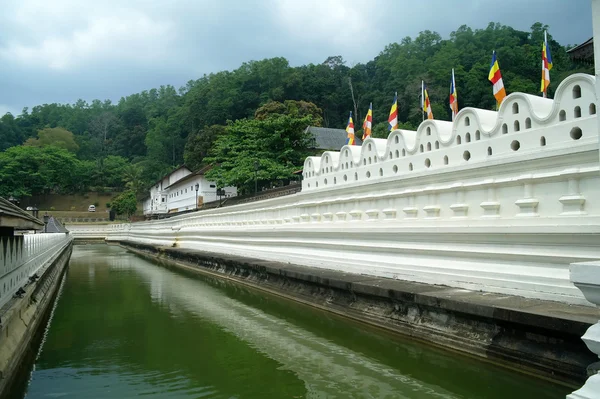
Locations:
(124, 327)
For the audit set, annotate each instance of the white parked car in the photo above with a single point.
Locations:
(92, 208)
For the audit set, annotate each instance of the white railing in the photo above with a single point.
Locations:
(22, 256)
(95, 230)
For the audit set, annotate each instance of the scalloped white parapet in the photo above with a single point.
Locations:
(22, 257)
(524, 124)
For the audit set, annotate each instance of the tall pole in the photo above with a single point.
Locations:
(544, 95)
(453, 87)
(422, 100)
(353, 100)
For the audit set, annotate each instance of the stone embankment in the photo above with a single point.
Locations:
(23, 320)
(533, 336)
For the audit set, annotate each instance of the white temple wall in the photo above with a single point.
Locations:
(511, 222)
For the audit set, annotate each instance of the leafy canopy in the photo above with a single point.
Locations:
(277, 144)
(125, 203)
(57, 137)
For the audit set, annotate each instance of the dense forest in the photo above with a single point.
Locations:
(257, 113)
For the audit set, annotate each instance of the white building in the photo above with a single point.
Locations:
(176, 192)
(157, 202)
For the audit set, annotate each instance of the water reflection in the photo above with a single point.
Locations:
(126, 327)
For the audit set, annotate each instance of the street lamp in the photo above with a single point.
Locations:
(46, 219)
(256, 165)
(197, 187)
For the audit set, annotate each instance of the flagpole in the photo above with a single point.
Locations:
(543, 69)
(544, 77)
(422, 101)
(452, 94)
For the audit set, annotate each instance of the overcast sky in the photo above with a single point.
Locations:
(63, 50)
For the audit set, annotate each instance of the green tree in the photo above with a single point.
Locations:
(199, 144)
(125, 203)
(114, 171)
(27, 170)
(134, 179)
(58, 137)
(278, 144)
(296, 109)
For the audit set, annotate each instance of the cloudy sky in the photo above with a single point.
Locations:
(62, 50)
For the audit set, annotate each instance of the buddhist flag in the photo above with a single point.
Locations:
(393, 118)
(546, 65)
(368, 123)
(425, 101)
(453, 97)
(496, 78)
(350, 131)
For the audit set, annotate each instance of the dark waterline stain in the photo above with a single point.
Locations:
(126, 327)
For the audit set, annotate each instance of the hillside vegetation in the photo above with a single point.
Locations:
(68, 148)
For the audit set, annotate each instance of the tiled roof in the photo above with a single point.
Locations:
(329, 139)
(199, 172)
(584, 44)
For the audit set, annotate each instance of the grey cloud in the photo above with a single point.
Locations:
(201, 37)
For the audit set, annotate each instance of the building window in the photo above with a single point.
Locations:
(212, 186)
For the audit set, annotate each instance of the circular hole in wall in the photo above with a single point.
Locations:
(345, 178)
(368, 174)
(428, 162)
(395, 168)
(380, 172)
(515, 145)
(410, 166)
(576, 133)
(466, 155)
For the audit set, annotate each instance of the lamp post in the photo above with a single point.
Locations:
(256, 165)
(46, 219)
(197, 186)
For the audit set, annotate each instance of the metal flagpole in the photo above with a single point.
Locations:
(543, 66)
(544, 78)
(453, 88)
(422, 101)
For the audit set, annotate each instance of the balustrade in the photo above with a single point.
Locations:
(22, 256)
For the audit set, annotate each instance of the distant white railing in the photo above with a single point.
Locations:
(22, 256)
(95, 231)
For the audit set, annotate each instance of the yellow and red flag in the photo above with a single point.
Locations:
(425, 104)
(546, 65)
(496, 78)
(368, 123)
(393, 118)
(453, 97)
(350, 130)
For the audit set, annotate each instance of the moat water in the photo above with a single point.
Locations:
(124, 327)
